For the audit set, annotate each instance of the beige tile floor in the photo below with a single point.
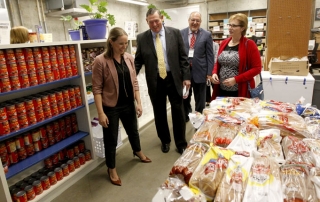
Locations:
(140, 181)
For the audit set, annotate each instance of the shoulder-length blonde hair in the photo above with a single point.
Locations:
(19, 34)
(114, 34)
(243, 20)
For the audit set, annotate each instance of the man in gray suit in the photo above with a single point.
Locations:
(198, 46)
(159, 87)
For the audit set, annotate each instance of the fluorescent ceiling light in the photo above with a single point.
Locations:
(142, 3)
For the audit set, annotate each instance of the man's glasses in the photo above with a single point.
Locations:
(233, 25)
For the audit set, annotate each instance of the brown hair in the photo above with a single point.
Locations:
(19, 34)
(243, 20)
(114, 34)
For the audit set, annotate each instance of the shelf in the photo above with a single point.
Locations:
(2, 138)
(88, 73)
(217, 32)
(38, 86)
(39, 156)
(260, 30)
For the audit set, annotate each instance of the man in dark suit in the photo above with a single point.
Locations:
(198, 46)
(177, 75)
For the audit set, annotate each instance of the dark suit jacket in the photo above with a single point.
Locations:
(203, 58)
(177, 59)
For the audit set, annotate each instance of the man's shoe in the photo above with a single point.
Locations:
(165, 148)
(181, 150)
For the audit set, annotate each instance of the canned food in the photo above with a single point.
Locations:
(41, 77)
(68, 70)
(23, 185)
(37, 146)
(37, 187)
(49, 75)
(21, 196)
(82, 158)
(30, 149)
(76, 150)
(24, 81)
(45, 182)
(14, 194)
(70, 153)
(59, 173)
(44, 142)
(52, 178)
(31, 180)
(61, 155)
(3, 150)
(53, 103)
(11, 110)
(4, 127)
(11, 146)
(62, 126)
(43, 171)
(21, 63)
(27, 137)
(30, 192)
(23, 121)
(29, 60)
(74, 123)
(55, 71)
(56, 131)
(14, 124)
(35, 135)
(87, 154)
(70, 166)
(3, 70)
(5, 84)
(15, 83)
(65, 169)
(22, 153)
(13, 157)
(33, 79)
(74, 67)
(26, 179)
(48, 163)
(68, 126)
(19, 142)
(81, 146)
(76, 162)
(55, 159)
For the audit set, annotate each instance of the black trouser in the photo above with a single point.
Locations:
(166, 87)
(199, 90)
(127, 115)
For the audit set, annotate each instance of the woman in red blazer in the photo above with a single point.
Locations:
(230, 74)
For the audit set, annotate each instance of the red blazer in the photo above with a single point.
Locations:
(247, 54)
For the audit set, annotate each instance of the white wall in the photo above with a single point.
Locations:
(316, 23)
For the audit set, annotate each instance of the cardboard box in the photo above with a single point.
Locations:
(213, 24)
(292, 68)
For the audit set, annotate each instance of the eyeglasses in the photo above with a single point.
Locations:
(233, 25)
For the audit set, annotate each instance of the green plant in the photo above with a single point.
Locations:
(75, 23)
(163, 13)
(101, 11)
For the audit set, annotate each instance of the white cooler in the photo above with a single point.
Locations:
(287, 88)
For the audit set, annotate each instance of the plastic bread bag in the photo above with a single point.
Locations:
(287, 123)
(174, 189)
(196, 119)
(307, 110)
(225, 134)
(264, 183)
(296, 184)
(296, 151)
(210, 171)
(269, 144)
(314, 146)
(246, 139)
(206, 132)
(239, 104)
(277, 106)
(315, 178)
(313, 126)
(234, 182)
(189, 160)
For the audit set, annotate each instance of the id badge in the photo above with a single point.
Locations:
(191, 51)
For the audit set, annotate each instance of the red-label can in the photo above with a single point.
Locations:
(59, 173)
(27, 137)
(19, 142)
(76, 162)
(71, 166)
(37, 187)
(82, 158)
(11, 146)
(11, 110)
(87, 154)
(70, 153)
(37, 146)
(21, 196)
(3, 70)
(3, 152)
(5, 85)
(55, 159)
(49, 75)
(35, 135)
(56, 131)
(15, 83)
(62, 126)
(61, 155)
(48, 163)
(33, 79)
(37, 103)
(43, 132)
(52, 178)
(53, 103)
(14, 157)
(76, 150)
(11, 62)
(68, 126)
(23, 121)
(14, 124)
(21, 63)
(22, 153)
(45, 182)
(29, 60)
(24, 81)
(65, 169)
(44, 142)
(30, 149)
(46, 105)
(4, 123)
(30, 192)
(74, 67)
(74, 123)
(56, 72)
(41, 77)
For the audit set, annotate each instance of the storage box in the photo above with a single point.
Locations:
(213, 24)
(292, 68)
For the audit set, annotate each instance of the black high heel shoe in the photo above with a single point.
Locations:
(146, 160)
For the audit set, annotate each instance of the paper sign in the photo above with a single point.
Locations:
(216, 28)
(5, 32)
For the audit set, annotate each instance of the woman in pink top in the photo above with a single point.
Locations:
(115, 88)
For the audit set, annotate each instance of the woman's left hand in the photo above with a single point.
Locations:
(139, 110)
(229, 82)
